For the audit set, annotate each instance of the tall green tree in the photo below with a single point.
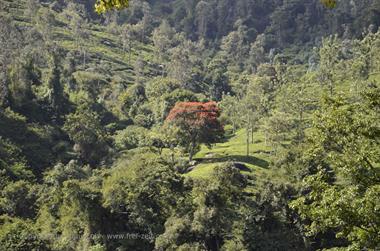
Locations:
(330, 58)
(56, 96)
(162, 38)
(24, 74)
(76, 16)
(84, 129)
(217, 78)
(342, 157)
(142, 198)
(127, 39)
(203, 18)
(205, 219)
(10, 47)
(235, 46)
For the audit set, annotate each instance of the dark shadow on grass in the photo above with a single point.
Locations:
(237, 158)
(227, 137)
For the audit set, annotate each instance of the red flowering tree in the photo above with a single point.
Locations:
(198, 123)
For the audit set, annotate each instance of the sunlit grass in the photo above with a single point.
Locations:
(234, 150)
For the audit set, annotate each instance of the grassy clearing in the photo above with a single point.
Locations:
(235, 150)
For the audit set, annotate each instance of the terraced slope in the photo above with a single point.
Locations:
(102, 45)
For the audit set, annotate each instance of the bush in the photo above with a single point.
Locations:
(131, 137)
(19, 235)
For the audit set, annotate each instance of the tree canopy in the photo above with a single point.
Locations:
(102, 6)
(198, 123)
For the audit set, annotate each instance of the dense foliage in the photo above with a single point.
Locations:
(104, 5)
(189, 125)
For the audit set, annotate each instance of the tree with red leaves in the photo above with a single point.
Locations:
(198, 123)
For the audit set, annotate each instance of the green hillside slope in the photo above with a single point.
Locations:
(206, 125)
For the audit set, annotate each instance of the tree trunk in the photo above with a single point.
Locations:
(300, 124)
(331, 88)
(266, 139)
(84, 58)
(172, 156)
(247, 142)
(306, 242)
(129, 52)
(191, 152)
(4, 90)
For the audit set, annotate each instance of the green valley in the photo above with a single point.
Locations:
(205, 125)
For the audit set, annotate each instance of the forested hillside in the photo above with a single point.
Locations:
(189, 125)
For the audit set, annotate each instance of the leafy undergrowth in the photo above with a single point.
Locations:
(235, 150)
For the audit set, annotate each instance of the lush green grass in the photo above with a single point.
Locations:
(202, 170)
(375, 77)
(235, 150)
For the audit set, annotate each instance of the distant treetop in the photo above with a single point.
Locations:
(329, 3)
(102, 6)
